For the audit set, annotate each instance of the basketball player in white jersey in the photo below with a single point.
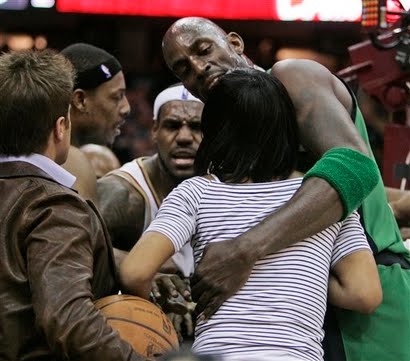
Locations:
(129, 197)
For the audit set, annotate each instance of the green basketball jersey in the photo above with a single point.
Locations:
(377, 216)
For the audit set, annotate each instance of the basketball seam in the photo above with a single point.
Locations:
(142, 325)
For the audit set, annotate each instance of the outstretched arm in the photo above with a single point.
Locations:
(323, 106)
(138, 270)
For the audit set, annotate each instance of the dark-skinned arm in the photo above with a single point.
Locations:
(123, 210)
(323, 106)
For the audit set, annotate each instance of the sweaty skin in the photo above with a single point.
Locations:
(198, 52)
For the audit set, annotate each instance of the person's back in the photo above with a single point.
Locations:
(32, 198)
(280, 310)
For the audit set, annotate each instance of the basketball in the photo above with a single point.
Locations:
(141, 323)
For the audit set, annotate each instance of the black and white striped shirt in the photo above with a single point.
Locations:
(280, 310)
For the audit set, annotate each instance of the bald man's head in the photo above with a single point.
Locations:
(198, 52)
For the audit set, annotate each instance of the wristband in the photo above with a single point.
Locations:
(352, 174)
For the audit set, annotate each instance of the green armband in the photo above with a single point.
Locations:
(352, 174)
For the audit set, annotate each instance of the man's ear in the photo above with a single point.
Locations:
(236, 42)
(60, 128)
(79, 100)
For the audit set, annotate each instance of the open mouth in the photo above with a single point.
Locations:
(183, 159)
(184, 162)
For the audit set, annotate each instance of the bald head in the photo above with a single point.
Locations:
(198, 52)
(193, 27)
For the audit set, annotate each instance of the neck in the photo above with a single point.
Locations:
(161, 180)
(79, 140)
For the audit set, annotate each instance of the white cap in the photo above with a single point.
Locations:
(178, 92)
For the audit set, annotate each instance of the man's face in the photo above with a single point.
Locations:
(198, 54)
(107, 108)
(177, 134)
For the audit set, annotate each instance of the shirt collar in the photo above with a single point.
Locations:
(58, 173)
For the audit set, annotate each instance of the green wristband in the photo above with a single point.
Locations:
(352, 174)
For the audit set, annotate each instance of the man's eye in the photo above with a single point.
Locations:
(118, 97)
(204, 49)
(172, 126)
(195, 127)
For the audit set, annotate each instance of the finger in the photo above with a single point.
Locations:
(182, 287)
(169, 286)
(206, 298)
(177, 305)
(189, 324)
(200, 271)
(212, 307)
(155, 290)
(199, 289)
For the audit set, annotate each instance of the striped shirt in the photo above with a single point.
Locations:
(281, 308)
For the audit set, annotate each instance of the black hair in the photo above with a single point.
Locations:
(249, 129)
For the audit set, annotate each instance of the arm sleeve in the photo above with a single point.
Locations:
(60, 261)
(177, 216)
(351, 238)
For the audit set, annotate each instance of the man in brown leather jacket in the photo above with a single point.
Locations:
(56, 257)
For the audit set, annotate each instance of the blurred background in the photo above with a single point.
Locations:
(132, 30)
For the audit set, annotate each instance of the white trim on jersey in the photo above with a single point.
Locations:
(182, 259)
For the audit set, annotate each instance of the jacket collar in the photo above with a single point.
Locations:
(46, 165)
(19, 169)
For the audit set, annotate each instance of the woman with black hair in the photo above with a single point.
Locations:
(248, 151)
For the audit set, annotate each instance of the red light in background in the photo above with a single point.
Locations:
(228, 9)
(309, 10)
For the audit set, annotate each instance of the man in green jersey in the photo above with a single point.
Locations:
(345, 177)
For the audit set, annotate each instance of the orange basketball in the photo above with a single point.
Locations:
(141, 323)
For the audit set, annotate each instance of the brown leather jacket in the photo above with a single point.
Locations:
(55, 260)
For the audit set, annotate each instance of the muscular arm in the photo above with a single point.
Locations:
(323, 107)
(122, 209)
(323, 104)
